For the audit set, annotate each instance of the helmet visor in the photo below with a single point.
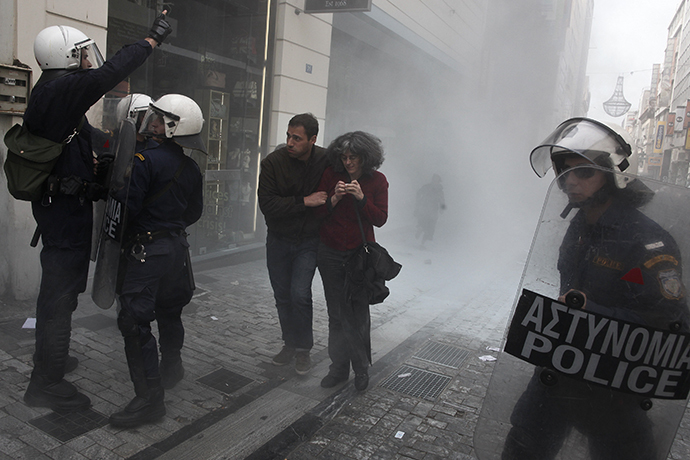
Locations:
(89, 54)
(157, 123)
(587, 138)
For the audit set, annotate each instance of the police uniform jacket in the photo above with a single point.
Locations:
(57, 104)
(161, 199)
(628, 267)
(283, 183)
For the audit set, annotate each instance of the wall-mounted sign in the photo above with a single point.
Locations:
(336, 6)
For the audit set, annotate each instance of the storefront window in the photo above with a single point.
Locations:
(217, 56)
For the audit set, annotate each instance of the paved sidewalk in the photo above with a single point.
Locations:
(426, 389)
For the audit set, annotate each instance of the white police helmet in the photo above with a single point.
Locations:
(182, 119)
(64, 47)
(603, 144)
(133, 105)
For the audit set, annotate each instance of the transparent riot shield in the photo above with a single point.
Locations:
(104, 123)
(595, 361)
(114, 219)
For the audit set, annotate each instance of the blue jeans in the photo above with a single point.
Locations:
(291, 267)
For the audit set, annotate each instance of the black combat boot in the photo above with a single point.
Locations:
(47, 387)
(147, 406)
(171, 373)
(60, 396)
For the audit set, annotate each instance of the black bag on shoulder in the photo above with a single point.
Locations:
(30, 160)
(370, 267)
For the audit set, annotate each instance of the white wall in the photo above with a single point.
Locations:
(301, 40)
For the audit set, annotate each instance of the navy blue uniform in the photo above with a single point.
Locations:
(630, 269)
(159, 287)
(58, 102)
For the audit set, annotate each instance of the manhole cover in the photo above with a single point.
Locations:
(225, 381)
(416, 382)
(65, 427)
(439, 353)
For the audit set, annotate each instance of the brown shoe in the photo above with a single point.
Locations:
(302, 362)
(284, 357)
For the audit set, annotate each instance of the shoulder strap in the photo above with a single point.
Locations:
(359, 221)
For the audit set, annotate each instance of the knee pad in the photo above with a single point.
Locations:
(127, 324)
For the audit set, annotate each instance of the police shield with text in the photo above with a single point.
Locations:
(130, 111)
(596, 361)
(165, 196)
(113, 221)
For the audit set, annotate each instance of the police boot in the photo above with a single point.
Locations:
(171, 372)
(60, 396)
(147, 406)
(47, 387)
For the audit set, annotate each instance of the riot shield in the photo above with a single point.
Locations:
(114, 219)
(611, 379)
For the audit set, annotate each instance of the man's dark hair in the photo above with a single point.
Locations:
(364, 145)
(306, 121)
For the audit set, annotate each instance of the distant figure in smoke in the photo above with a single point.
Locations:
(430, 201)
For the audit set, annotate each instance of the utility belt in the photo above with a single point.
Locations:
(73, 185)
(137, 243)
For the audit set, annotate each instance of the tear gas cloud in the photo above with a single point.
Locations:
(474, 130)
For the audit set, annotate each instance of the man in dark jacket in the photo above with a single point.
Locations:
(287, 197)
(69, 85)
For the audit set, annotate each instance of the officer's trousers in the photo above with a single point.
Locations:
(158, 289)
(64, 274)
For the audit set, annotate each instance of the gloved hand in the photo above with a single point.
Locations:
(101, 167)
(160, 29)
(95, 192)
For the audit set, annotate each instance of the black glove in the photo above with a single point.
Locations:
(102, 168)
(160, 29)
(95, 192)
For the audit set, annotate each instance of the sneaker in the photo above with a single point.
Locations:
(361, 381)
(284, 357)
(331, 380)
(302, 362)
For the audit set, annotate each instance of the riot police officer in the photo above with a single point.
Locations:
(165, 196)
(620, 264)
(73, 79)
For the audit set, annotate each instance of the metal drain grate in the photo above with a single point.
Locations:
(65, 427)
(225, 381)
(416, 382)
(446, 355)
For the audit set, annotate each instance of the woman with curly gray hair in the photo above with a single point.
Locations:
(354, 187)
